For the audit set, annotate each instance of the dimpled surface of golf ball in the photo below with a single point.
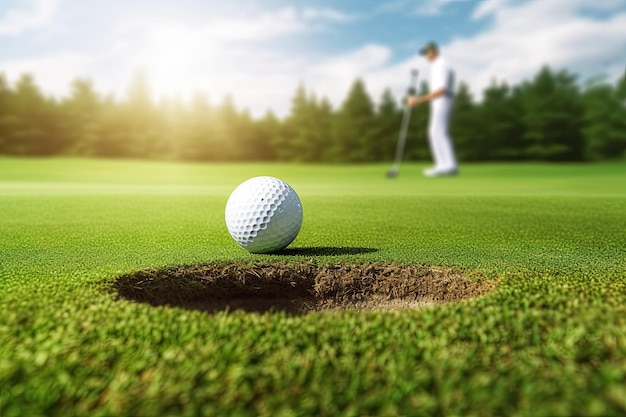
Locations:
(264, 214)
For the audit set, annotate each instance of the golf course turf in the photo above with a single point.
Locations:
(548, 338)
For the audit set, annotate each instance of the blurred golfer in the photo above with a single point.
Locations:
(441, 103)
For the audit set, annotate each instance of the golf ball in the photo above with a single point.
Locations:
(263, 214)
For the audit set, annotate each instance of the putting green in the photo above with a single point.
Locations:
(549, 340)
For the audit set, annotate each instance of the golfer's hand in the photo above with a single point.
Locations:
(414, 101)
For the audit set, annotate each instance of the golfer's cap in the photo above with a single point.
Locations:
(430, 46)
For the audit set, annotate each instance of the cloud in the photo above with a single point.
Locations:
(523, 37)
(367, 58)
(327, 14)
(262, 27)
(244, 27)
(486, 8)
(519, 39)
(393, 6)
(333, 76)
(434, 7)
(241, 54)
(533, 11)
(40, 14)
(228, 54)
(237, 54)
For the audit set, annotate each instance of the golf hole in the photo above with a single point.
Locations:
(300, 288)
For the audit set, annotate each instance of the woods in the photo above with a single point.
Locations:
(552, 117)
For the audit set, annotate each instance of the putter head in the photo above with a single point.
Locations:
(392, 173)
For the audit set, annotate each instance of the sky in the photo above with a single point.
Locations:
(260, 51)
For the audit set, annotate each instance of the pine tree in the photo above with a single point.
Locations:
(465, 129)
(605, 121)
(245, 140)
(388, 118)
(547, 118)
(552, 113)
(499, 130)
(288, 145)
(145, 127)
(34, 125)
(8, 118)
(301, 128)
(131, 128)
(175, 120)
(81, 117)
(225, 125)
(323, 118)
(113, 138)
(354, 127)
(191, 129)
(266, 131)
(308, 129)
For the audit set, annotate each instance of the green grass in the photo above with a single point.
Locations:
(550, 341)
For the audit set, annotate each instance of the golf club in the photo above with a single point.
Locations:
(404, 127)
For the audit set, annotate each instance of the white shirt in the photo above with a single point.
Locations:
(441, 76)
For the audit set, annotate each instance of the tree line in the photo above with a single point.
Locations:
(550, 117)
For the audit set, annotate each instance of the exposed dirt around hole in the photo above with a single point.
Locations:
(300, 288)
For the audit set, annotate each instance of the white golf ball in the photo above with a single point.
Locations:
(263, 214)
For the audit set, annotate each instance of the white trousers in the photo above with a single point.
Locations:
(439, 138)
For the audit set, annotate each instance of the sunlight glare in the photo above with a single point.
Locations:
(171, 60)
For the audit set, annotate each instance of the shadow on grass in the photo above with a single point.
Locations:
(325, 251)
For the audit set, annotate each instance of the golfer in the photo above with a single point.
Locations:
(441, 103)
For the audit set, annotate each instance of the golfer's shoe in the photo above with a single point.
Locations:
(441, 172)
